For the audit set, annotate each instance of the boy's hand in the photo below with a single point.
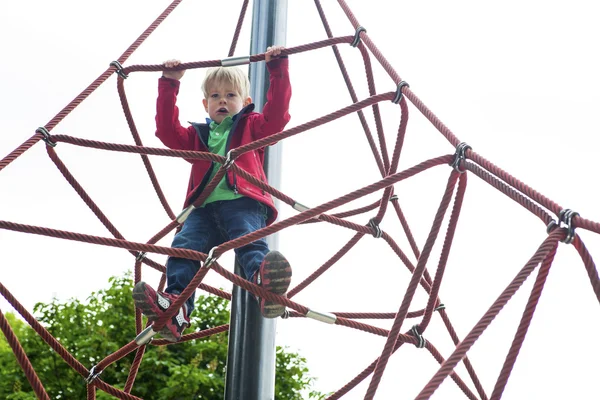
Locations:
(273, 52)
(177, 75)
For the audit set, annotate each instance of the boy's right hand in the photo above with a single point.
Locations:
(177, 75)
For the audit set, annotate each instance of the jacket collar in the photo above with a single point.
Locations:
(243, 112)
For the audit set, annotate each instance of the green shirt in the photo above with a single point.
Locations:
(217, 141)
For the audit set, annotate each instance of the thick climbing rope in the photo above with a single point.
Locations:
(462, 163)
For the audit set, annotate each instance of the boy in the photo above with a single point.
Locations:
(236, 207)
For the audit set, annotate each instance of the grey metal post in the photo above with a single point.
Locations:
(251, 354)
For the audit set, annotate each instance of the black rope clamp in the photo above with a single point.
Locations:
(564, 217)
(459, 156)
(46, 136)
(93, 375)
(398, 96)
(440, 307)
(376, 229)
(140, 256)
(356, 40)
(119, 69)
(394, 197)
(421, 341)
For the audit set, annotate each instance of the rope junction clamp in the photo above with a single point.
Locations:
(145, 336)
(233, 61)
(398, 96)
(441, 307)
(356, 40)
(229, 160)
(46, 136)
(394, 197)
(140, 256)
(564, 217)
(119, 69)
(185, 214)
(210, 259)
(93, 375)
(415, 331)
(375, 226)
(459, 156)
(326, 317)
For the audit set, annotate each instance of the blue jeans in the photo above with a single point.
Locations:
(211, 225)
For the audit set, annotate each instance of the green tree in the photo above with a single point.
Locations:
(96, 328)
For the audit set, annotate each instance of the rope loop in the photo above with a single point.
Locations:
(356, 40)
(46, 136)
(119, 69)
(398, 95)
(93, 375)
(415, 331)
(460, 156)
(564, 217)
(376, 229)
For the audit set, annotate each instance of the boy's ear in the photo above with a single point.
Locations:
(247, 101)
(205, 103)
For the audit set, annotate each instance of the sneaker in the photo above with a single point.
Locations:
(274, 275)
(153, 304)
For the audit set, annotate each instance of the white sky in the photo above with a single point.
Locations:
(518, 81)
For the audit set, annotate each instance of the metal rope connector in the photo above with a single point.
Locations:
(441, 307)
(145, 336)
(229, 160)
(233, 61)
(398, 95)
(356, 40)
(394, 197)
(564, 217)
(93, 375)
(300, 207)
(46, 136)
(140, 256)
(459, 156)
(326, 317)
(210, 259)
(185, 214)
(376, 229)
(119, 69)
(421, 341)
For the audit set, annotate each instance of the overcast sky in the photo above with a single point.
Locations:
(518, 81)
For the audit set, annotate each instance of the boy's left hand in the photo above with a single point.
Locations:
(273, 52)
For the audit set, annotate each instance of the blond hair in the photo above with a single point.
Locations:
(232, 75)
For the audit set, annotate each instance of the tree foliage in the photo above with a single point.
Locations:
(96, 328)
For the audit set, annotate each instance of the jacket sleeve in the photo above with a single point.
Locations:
(168, 128)
(275, 114)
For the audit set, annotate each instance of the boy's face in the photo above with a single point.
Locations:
(224, 100)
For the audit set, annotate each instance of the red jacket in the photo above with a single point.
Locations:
(247, 127)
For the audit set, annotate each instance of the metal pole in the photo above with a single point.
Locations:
(251, 355)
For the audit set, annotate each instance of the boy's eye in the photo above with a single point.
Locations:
(214, 95)
(230, 94)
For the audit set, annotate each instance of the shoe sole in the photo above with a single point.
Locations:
(276, 276)
(142, 300)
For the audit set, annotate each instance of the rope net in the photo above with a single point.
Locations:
(460, 163)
